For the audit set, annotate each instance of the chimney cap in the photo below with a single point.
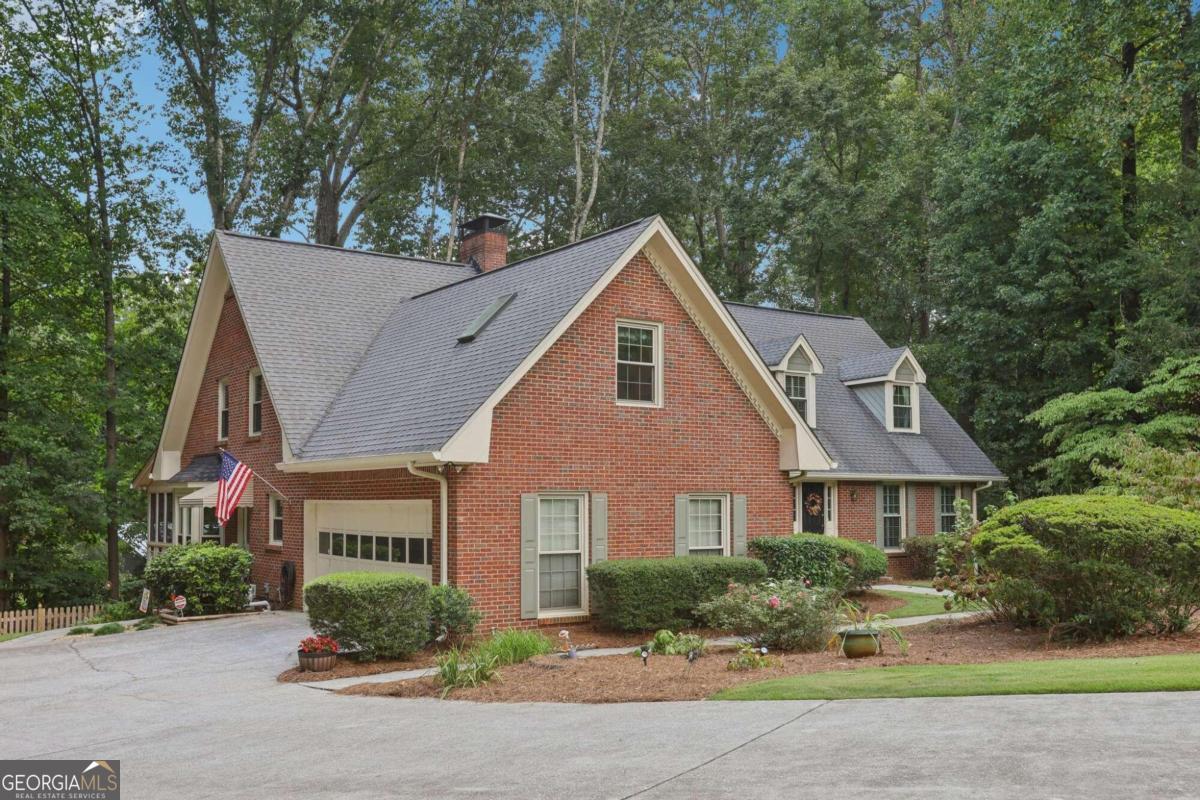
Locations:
(483, 223)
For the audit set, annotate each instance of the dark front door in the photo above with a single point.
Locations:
(812, 507)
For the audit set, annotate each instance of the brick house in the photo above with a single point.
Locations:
(501, 426)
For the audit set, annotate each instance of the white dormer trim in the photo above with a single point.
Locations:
(888, 400)
(907, 355)
(810, 392)
(800, 344)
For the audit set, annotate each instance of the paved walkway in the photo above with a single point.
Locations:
(194, 711)
(903, 587)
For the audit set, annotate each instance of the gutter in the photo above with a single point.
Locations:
(444, 492)
(975, 499)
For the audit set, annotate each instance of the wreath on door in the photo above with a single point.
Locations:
(812, 504)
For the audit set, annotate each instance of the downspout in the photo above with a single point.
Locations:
(975, 499)
(443, 497)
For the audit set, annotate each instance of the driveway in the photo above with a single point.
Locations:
(194, 712)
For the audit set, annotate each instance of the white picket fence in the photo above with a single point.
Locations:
(35, 620)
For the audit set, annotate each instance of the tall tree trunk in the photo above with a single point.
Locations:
(6, 314)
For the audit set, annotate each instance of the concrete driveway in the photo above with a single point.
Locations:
(194, 712)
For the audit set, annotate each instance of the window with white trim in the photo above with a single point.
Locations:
(210, 530)
(562, 526)
(162, 518)
(276, 519)
(893, 521)
(902, 407)
(796, 388)
(256, 397)
(639, 359)
(947, 514)
(707, 525)
(222, 411)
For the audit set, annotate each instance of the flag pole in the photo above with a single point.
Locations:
(256, 475)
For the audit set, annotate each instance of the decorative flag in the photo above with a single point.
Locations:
(234, 477)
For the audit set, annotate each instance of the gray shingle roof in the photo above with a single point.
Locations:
(311, 312)
(854, 437)
(203, 468)
(869, 365)
(417, 384)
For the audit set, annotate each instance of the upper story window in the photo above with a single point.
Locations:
(256, 401)
(796, 387)
(639, 363)
(707, 525)
(902, 407)
(276, 519)
(222, 411)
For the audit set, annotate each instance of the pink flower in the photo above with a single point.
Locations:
(773, 602)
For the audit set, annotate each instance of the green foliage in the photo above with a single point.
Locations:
(842, 564)
(79, 630)
(457, 669)
(1155, 474)
(783, 614)
(669, 643)
(212, 577)
(854, 618)
(452, 613)
(372, 614)
(108, 629)
(116, 612)
(1094, 566)
(512, 646)
(751, 656)
(922, 552)
(640, 594)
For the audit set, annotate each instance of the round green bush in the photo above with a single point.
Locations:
(210, 576)
(922, 552)
(842, 564)
(644, 594)
(371, 614)
(1093, 566)
(452, 613)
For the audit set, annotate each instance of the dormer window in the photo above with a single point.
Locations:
(796, 388)
(902, 408)
(795, 370)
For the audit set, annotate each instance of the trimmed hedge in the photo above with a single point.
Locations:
(642, 594)
(210, 576)
(1093, 566)
(922, 552)
(374, 614)
(842, 564)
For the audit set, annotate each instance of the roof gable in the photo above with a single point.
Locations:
(896, 363)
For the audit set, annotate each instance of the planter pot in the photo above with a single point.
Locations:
(317, 662)
(860, 644)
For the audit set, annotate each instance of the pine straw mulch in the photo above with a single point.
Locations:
(615, 679)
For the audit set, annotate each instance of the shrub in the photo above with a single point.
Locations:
(116, 612)
(512, 646)
(783, 614)
(922, 552)
(79, 630)
(842, 564)
(641, 594)
(669, 643)
(751, 657)
(375, 614)
(457, 668)
(1093, 566)
(212, 577)
(108, 628)
(452, 614)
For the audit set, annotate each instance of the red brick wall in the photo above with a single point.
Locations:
(559, 428)
(489, 249)
(856, 518)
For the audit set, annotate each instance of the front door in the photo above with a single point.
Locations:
(812, 507)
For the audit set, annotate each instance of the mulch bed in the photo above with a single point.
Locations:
(347, 667)
(623, 678)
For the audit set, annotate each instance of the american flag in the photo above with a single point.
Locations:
(234, 477)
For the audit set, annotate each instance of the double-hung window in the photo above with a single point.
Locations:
(639, 363)
(902, 407)
(946, 511)
(796, 388)
(276, 519)
(892, 519)
(256, 398)
(222, 411)
(707, 525)
(562, 531)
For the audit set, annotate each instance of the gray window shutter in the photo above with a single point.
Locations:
(529, 556)
(879, 515)
(681, 537)
(911, 489)
(599, 527)
(739, 524)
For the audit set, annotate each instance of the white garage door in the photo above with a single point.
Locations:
(376, 536)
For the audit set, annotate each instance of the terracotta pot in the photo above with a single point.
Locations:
(317, 662)
(860, 644)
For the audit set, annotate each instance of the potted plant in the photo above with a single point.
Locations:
(317, 654)
(862, 632)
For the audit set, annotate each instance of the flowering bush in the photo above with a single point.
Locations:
(318, 644)
(787, 615)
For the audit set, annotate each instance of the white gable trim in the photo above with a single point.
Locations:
(800, 344)
(891, 374)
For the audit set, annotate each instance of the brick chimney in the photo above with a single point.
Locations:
(484, 242)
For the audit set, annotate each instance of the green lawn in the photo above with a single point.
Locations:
(926, 582)
(918, 604)
(4, 637)
(1172, 673)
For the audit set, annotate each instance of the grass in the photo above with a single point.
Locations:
(1173, 673)
(78, 630)
(8, 637)
(926, 582)
(108, 629)
(512, 647)
(918, 605)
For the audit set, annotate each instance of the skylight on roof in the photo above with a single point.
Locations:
(476, 327)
